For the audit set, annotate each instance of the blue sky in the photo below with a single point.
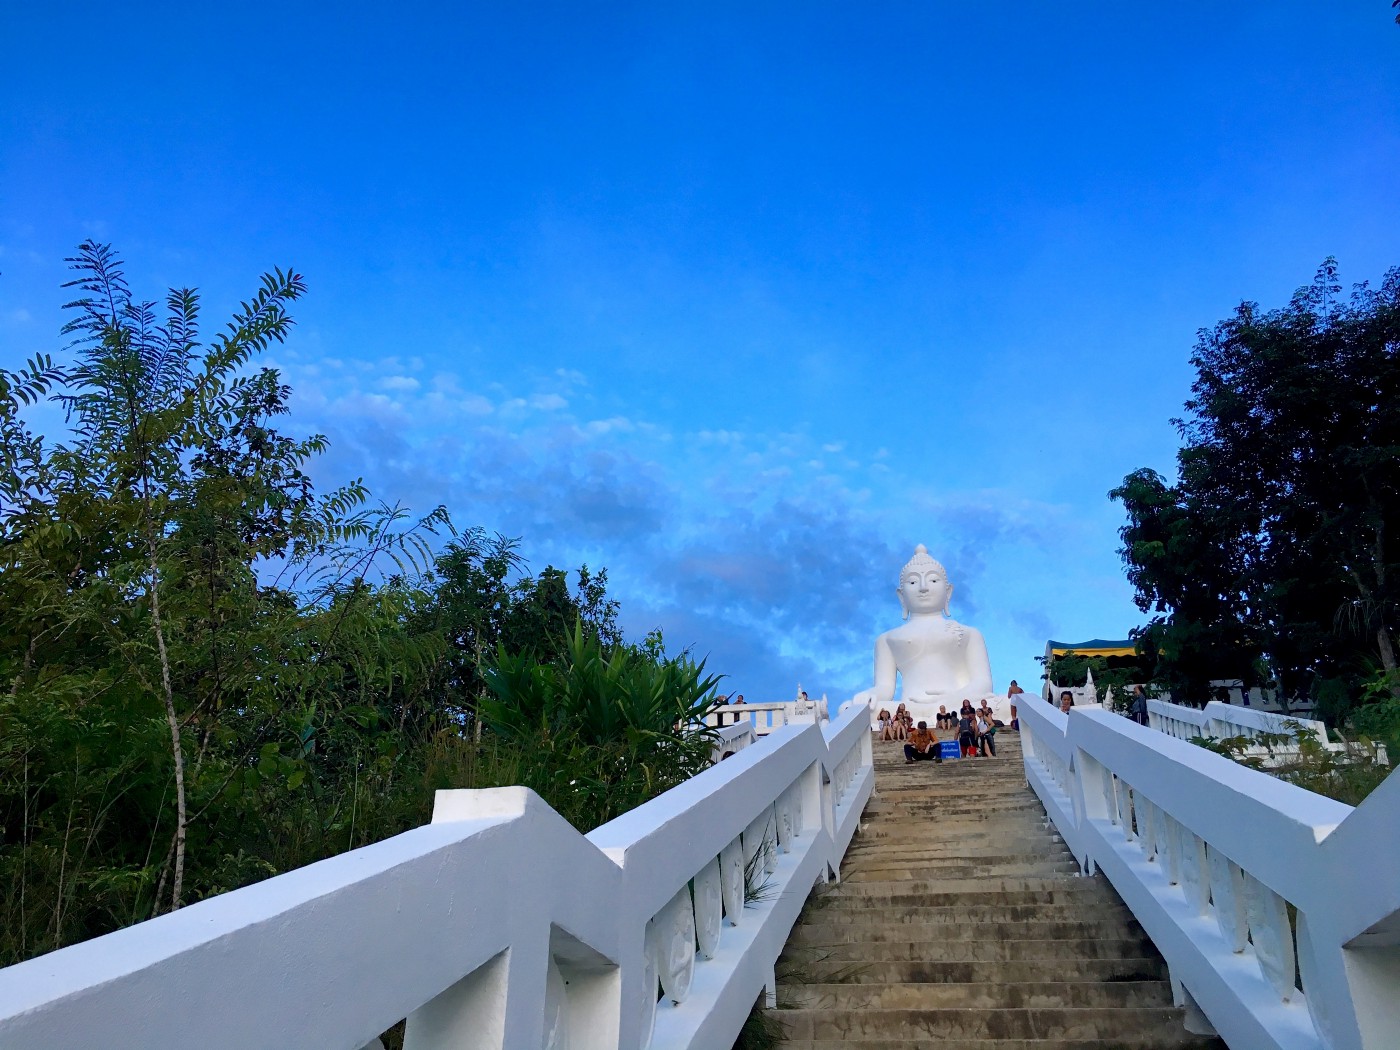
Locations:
(738, 301)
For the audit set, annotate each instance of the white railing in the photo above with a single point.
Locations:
(1177, 720)
(1214, 859)
(497, 925)
(767, 717)
(1219, 721)
(732, 739)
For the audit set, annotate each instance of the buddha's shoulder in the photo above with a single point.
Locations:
(915, 630)
(971, 632)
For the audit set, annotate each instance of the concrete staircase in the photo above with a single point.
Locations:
(960, 923)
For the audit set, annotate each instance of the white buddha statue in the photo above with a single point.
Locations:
(940, 660)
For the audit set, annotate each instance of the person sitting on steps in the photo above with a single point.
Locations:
(986, 735)
(923, 745)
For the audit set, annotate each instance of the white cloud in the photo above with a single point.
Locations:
(751, 546)
(613, 425)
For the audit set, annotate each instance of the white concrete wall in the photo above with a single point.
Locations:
(496, 926)
(1208, 854)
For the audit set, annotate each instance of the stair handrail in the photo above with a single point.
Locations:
(496, 925)
(1214, 859)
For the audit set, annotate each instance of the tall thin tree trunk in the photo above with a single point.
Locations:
(1387, 649)
(181, 813)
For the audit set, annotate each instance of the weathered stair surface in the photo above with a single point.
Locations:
(961, 923)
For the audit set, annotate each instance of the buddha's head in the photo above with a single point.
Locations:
(923, 585)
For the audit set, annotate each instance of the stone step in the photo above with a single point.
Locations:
(926, 872)
(1171, 1038)
(988, 852)
(935, 827)
(991, 973)
(989, 795)
(948, 950)
(873, 909)
(1052, 889)
(1021, 995)
(981, 1023)
(906, 932)
(961, 922)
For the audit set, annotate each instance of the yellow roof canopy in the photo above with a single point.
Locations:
(1093, 647)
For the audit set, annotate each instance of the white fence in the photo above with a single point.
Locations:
(1209, 855)
(497, 925)
(1219, 721)
(732, 739)
(767, 717)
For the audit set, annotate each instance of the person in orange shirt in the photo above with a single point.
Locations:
(923, 744)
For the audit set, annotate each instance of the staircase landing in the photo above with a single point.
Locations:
(961, 923)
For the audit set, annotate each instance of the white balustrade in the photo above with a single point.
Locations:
(765, 717)
(497, 925)
(1219, 721)
(1209, 854)
(732, 739)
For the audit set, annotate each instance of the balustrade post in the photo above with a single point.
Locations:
(496, 1006)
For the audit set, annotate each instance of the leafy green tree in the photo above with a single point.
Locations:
(608, 728)
(130, 557)
(1183, 575)
(1277, 540)
(210, 673)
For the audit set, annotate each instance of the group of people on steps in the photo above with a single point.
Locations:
(976, 729)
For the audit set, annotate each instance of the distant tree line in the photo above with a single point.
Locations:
(211, 673)
(1274, 559)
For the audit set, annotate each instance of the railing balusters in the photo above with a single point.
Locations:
(731, 869)
(1147, 829)
(1272, 935)
(1227, 897)
(1195, 882)
(675, 925)
(556, 1009)
(709, 909)
(770, 840)
(1171, 835)
(783, 811)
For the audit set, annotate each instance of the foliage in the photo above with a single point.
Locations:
(1298, 757)
(211, 673)
(1072, 669)
(610, 726)
(1378, 717)
(1271, 559)
(763, 1030)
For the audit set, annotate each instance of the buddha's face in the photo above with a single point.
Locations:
(924, 591)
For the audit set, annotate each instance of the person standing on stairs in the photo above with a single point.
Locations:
(967, 732)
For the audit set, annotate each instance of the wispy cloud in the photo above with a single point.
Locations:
(775, 553)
